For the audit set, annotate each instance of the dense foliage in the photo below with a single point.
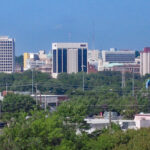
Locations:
(17, 102)
(33, 129)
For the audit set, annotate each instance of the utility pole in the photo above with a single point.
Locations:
(133, 82)
(110, 120)
(83, 77)
(45, 104)
(6, 88)
(83, 81)
(0, 110)
(123, 78)
(36, 95)
(32, 81)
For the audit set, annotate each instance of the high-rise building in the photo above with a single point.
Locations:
(145, 61)
(26, 56)
(7, 54)
(69, 57)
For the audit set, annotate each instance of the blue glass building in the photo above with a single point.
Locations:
(69, 57)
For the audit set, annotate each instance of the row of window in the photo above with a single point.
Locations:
(62, 60)
(6, 55)
(6, 45)
(2, 48)
(5, 62)
(6, 42)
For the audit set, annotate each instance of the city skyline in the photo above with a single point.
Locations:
(103, 24)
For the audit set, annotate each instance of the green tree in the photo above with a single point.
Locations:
(16, 103)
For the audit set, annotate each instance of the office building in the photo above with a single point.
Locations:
(120, 56)
(26, 56)
(39, 61)
(145, 61)
(93, 55)
(69, 57)
(7, 54)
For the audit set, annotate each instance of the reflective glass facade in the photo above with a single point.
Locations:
(59, 60)
(64, 60)
(54, 61)
(120, 57)
(85, 60)
(79, 60)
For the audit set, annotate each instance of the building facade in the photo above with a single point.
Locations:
(7, 54)
(120, 56)
(93, 55)
(69, 57)
(39, 61)
(145, 61)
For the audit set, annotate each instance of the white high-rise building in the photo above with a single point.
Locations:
(145, 61)
(7, 54)
(69, 57)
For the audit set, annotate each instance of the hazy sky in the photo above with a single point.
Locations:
(35, 24)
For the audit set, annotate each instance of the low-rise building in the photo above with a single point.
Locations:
(142, 120)
(50, 100)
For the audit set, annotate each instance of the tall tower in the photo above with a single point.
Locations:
(145, 61)
(7, 54)
(69, 57)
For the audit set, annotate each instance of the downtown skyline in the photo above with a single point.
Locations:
(36, 24)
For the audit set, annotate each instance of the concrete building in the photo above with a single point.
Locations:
(145, 61)
(69, 57)
(29, 60)
(142, 120)
(26, 56)
(93, 55)
(120, 56)
(50, 100)
(99, 124)
(116, 58)
(33, 64)
(122, 67)
(7, 54)
(38, 61)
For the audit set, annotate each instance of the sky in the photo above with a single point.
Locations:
(104, 24)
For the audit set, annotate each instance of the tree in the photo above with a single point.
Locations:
(16, 103)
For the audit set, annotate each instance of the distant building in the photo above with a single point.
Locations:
(7, 54)
(92, 68)
(29, 60)
(145, 61)
(120, 56)
(117, 58)
(142, 120)
(26, 56)
(123, 67)
(69, 57)
(38, 61)
(50, 100)
(93, 55)
(18, 68)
